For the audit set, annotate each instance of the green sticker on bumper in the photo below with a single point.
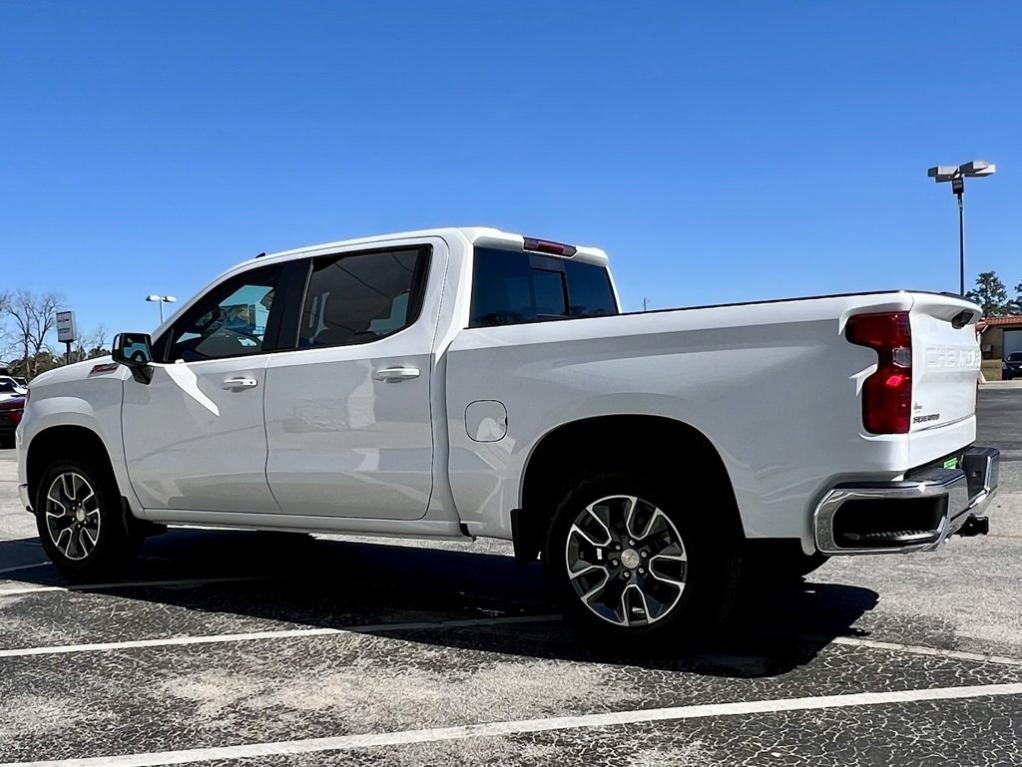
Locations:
(951, 463)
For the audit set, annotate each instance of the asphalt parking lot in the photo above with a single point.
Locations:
(225, 648)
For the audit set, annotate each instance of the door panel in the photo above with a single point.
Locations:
(343, 443)
(195, 437)
(348, 413)
(192, 444)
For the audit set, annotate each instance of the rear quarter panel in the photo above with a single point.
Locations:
(774, 387)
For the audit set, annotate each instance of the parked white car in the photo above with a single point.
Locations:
(455, 383)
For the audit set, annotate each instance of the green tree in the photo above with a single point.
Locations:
(991, 294)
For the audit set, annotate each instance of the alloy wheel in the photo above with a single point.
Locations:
(72, 515)
(626, 560)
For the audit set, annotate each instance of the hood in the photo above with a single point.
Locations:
(77, 371)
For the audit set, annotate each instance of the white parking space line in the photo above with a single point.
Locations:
(930, 651)
(377, 628)
(17, 592)
(517, 727)
(254, 636)
(19, 568)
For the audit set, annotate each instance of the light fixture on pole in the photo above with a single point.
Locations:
(956, 174)
(161, 300)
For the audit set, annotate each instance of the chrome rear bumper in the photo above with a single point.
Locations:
(916, 514)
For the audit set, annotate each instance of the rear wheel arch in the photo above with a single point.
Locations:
(650, 444)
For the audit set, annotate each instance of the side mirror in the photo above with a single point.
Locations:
(135, 352)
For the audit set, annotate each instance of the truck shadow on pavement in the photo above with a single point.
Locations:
(290, 581)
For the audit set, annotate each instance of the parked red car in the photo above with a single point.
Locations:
(11, 411)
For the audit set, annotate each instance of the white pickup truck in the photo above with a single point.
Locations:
(454, 383)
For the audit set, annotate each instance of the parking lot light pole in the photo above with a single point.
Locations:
(956, 175)
(161, 300)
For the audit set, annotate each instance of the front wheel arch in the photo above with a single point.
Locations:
(75, 442)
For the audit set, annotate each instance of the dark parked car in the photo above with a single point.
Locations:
(1012, 367)
(9, 387)
(11, 411)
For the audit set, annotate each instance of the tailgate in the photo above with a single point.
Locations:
(945, 360)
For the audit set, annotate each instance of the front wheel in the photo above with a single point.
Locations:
(80, 521)
(630, 562)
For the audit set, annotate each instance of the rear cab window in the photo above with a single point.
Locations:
(515, 287)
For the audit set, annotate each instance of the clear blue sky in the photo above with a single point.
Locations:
(719, 151)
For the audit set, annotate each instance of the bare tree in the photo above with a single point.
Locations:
(6, 338)
(34, 318)
(92, 345)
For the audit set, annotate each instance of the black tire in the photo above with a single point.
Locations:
(711, 575)
(114, 543)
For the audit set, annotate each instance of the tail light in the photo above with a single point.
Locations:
(887, 393)
(15, 416)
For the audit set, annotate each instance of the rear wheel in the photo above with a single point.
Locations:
(80, 520)
(630, 562)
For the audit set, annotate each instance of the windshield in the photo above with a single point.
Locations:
(1015, 357)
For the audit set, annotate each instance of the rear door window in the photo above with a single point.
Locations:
(513, 287)
(358, 298)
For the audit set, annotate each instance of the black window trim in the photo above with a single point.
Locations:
(297, 283)
(416, 299)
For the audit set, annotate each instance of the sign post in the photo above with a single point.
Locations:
(66, 332)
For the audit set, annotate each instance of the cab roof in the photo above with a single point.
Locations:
(474, 235)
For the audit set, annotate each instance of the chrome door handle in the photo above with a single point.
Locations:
(393, 375)
(242, 382)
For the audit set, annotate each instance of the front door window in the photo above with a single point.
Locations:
(231, 321)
